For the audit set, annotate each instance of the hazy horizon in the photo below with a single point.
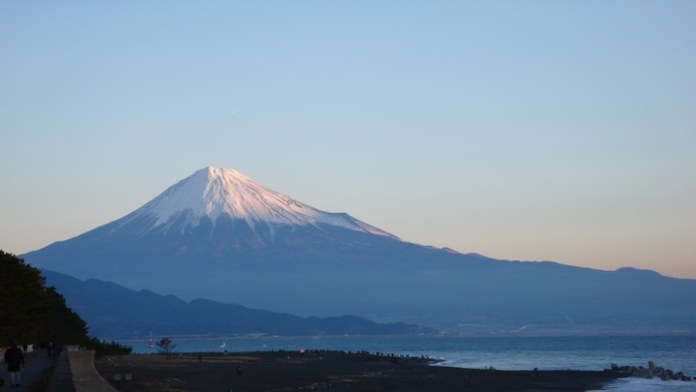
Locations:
(532, 130)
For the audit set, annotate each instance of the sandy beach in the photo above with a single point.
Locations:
(326, 371)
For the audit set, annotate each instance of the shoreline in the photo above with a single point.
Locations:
(326, 370)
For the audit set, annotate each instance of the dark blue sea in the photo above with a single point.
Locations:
(676, 352)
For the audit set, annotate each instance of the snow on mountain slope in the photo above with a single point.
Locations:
(212, 192)
(219, 235)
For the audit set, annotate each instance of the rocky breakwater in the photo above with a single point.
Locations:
(652, 371)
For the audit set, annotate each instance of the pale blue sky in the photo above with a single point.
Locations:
(532, 130)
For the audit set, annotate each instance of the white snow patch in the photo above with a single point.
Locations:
(215, 191)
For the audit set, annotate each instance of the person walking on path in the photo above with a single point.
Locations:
(15, 360)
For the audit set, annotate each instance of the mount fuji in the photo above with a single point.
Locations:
(220, 235)
(216, 196)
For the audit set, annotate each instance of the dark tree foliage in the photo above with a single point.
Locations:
(30, 312)
(104, 348)
(64, 324)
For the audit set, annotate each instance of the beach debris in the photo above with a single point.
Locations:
(652, 371)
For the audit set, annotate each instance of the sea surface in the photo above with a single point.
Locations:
(676, 352)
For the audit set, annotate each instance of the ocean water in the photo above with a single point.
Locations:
(676, 352)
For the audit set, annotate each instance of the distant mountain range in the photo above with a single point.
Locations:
(220, 235)
(114, 311)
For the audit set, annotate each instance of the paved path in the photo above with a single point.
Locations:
(53, 374)
(61, 379)
(35, 365)
(71, 371)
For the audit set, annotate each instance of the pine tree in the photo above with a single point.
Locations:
(166, 346)
(29, 311)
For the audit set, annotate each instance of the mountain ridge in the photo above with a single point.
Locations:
(114, 311)
(319, 268)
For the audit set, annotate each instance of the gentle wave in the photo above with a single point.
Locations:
(633, 384)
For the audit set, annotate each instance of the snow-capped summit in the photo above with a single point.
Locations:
(213, 192)
(220, 235)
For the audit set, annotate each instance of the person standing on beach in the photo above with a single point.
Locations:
(15, 360)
